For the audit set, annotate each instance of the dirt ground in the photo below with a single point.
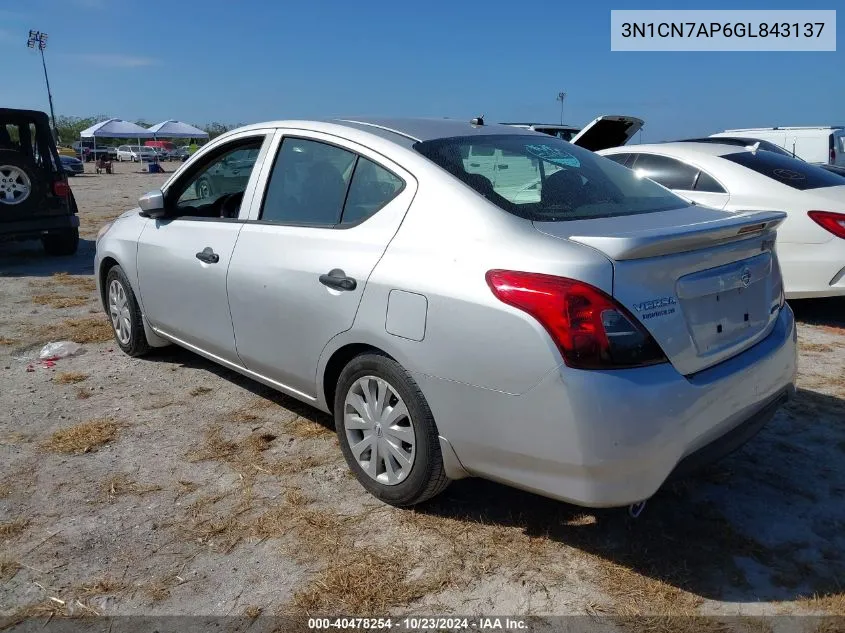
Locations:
(168, 485)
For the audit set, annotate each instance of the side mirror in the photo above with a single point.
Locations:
(152, 204)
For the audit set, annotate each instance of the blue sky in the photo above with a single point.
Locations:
(250, 60)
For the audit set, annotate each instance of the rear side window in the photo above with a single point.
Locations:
(546, 179)
(669, 172)
(785, 170)
(706, 182)
(372, 187)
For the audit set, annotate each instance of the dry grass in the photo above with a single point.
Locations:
(105, 586)
(158, 589)
(826, 603)
(8, 569)
(5, 340)
(84, 437)
(252, 611)
(363, 581)
(82, 282)
(815, 347)
(60, 301)
(14, 528)
(70, 377)
(121, 484)
(303, 428)
(94, 329)
(199, 391)
(82, 393)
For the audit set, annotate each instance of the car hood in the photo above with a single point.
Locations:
(608, 130)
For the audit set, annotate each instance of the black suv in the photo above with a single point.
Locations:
(35, 199)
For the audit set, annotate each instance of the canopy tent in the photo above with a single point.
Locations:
(176, 129)
(115, 128)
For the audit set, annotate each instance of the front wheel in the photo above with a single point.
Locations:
(61, 243)
(387, 432)
(127, 322)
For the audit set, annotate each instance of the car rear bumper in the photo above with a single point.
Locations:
(813, 270)
(35, 228)
(612, 438)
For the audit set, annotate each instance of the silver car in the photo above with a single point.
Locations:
(466, 299)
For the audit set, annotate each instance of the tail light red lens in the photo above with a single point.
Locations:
(61, 188)
(591, 329)
(829, 221)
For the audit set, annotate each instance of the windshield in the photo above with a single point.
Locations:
(546, 179)
(786, 170)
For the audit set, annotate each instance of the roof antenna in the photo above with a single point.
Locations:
(479, 120)
(753, 148)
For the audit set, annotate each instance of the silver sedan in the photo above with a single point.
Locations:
(466, 299)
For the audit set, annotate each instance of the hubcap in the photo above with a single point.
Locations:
(379, 430)
(119, 312)
(15, 185)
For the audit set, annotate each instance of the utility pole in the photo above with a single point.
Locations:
(560, 97)
(37, 39)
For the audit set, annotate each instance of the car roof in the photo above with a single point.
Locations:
(14, 113)
(680, 148)
(402, 131)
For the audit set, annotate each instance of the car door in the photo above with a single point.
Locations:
(680, 177)
(183, 258)
(302, 262)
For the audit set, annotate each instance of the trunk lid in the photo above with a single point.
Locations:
(607, 131)
(704, 283)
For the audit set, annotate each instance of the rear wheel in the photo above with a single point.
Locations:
(124, 313)
(387, 432)
(61, 242)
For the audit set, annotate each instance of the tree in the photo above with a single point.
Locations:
(69, 127)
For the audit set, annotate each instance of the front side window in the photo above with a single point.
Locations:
(669, 172)
(216, 189)
(547, 179)
(785, 170)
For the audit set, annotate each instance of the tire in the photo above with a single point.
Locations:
(426, 476)
(204, 189)
(127, 322)
(27, 175)
(61, 243)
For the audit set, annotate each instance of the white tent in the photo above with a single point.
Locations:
(115, 128)
(176, 129)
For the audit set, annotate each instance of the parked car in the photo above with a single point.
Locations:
(135, 153)
(584, 346)
(811, 242)
(71, 165)
(35, 199)
(165, 149)
(742, 142)
(180, 153)
(823, 145)
(604, 131)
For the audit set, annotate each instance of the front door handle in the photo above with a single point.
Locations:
(337, 279)
(208, 256)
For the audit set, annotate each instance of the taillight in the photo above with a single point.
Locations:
(61, 188)
(829, 221)
(591, 330)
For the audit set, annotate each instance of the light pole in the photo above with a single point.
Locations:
(560, 97)
(37, 39)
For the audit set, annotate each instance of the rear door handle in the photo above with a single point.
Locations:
(208, 256)
(337, 279)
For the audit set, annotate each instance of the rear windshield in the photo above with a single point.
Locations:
(786, 170)
(545, 178)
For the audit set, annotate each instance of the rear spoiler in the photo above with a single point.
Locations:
(679, 239)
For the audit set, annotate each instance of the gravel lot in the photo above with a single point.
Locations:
(168, 485)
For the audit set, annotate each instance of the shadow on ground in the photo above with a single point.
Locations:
(829, 311)
(28, 259)
(683, 538)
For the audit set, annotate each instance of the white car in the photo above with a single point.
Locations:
(810, 243)
(823, 145)
(134, 153)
